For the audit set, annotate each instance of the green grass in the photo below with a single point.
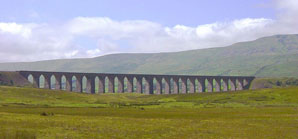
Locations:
(23, 97)
(273, 82)
(39, 113)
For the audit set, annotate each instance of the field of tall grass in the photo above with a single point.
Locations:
(39, 113)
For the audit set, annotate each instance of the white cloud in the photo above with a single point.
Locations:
(94, 52)
(16, 29)
(30, 42)
(105, 27)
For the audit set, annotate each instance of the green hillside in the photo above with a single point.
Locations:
(274, 56)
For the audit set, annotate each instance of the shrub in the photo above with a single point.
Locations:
(47, 114)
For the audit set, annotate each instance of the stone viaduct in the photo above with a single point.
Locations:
(139, 83)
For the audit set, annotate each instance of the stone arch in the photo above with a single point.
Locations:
(120, 84)
(84, 84)
(125, 84)
(139, 84)
(208, 85)
(175, 81)
(116, 83)
(166, 81)
(239, 84)
(78, 81)
(96, 85)
(63, 82)
(163, 84)
(188, 85)
(179, 86)
(205, 85)
(246, 83)
(58, 82)
(191, 85)
(171, 85)
(182, 85)
(134, 85)
(216, 84)
(148, 85)
(157, 85)
(128, 83)
(154, 83)
(101, 84)
(106, 80)
(201, 87)
(73, 82)
(53, 82)
(197, 86)
(35, 80)
(224, 84)
(143, 85)
(232, 84)
(111, 84)
(30, 78)
(41, 82)
(90, 83)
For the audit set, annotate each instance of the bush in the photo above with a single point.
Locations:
(47, 114)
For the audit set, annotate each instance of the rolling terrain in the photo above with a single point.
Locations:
(274, 56)
(27, 112)
(40, 113)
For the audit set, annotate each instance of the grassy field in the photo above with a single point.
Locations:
(38, 113)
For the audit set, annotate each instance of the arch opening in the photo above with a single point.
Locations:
(172, 85)
(30, 78)
(134, 85)
(154, 84)
(53, 82)
(73, 83)
(208, 85)
(125, 84)
(163, 86)
(143, 85)
(106, 80)
(96, 85)
(84, 84)
(179, 85)
(116, 84)
(197, 86)
(41, 81)
(63, 82)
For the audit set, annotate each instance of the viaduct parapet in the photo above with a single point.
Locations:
(138, 83)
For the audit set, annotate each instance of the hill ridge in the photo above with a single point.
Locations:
(272, 56)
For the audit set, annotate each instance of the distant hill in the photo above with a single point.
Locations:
(274, 56)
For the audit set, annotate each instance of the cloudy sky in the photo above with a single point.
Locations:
(32, 30)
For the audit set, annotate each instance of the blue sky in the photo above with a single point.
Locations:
(165, 12)
(32, 30)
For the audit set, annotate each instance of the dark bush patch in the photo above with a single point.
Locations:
(47, 114)
(278, 83)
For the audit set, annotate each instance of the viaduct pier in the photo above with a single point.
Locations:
(138, 83)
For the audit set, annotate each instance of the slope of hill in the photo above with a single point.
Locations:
(13, 79)
(278, 97)
(274, 56)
